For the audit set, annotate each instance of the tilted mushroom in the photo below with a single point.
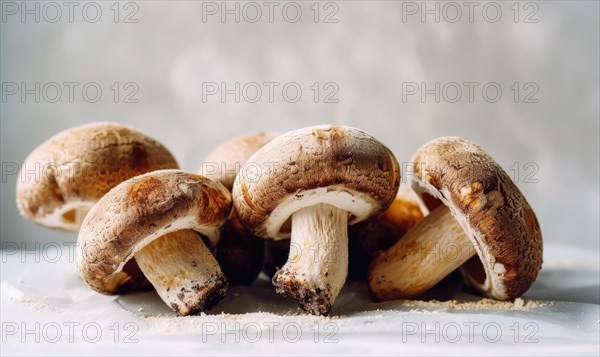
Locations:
(154, 219)
(479, 221)
(239, 253)
(310, 184)
(74, 168)
(381, 232)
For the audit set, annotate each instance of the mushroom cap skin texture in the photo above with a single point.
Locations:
(381, 232)
(494, 214)
(336, 165)
(140, 210)
(76, 167)
(223, 163)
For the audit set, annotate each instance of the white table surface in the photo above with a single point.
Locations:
(48, 310)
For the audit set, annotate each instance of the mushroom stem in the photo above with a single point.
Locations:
(428, 253)
(183, 271)
(318, 261)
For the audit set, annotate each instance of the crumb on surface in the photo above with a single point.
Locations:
(483, 304)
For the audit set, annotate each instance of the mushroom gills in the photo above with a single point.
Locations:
(317, 265)
(428, 253)
(183, 271)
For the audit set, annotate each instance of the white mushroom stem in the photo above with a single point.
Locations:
(420, 259)
(183, 271)
(318, 261)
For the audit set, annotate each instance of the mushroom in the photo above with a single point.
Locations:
(154, 218)
(381, 232)
(478, 220)
(309, 185)
(66, 175)
(239, 253)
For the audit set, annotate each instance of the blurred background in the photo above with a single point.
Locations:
(519, 78)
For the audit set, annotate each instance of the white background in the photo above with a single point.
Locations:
(369, 53)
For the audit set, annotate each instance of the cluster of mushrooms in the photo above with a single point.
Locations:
(327, 198)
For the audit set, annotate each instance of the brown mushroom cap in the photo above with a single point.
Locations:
(223, 163)
(76, 167)
(490, 208)
(140, 210)
(337, 165)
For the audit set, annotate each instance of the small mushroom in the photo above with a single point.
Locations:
(239, 253)
(66, 175)
(478, 220)
(381, 232)
(310, 184)
(154, 218)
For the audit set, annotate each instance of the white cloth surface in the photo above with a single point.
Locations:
(43, 298)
